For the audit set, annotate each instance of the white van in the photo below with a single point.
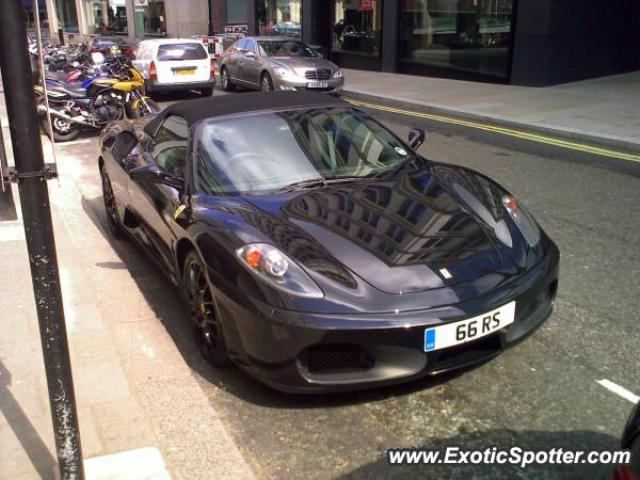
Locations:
(171, 64)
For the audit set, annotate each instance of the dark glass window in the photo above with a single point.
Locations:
(467, 35)
(67, 15)
(279, 17)
(358, 26)
(106, 17)
(149, 18)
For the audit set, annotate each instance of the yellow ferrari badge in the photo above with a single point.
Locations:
(178, 211)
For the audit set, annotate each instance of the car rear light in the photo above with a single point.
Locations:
(212, 71)
(153, 72)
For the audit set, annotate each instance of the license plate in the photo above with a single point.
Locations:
(457, 333)
(318, 85)
(189, 71)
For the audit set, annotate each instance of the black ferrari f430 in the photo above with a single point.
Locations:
(318, 251)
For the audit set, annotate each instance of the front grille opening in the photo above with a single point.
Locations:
(336, 358)
(320, 74)
(466, 353)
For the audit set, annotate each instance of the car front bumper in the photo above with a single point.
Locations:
(307, 353)
(154, 87)
(334, 85)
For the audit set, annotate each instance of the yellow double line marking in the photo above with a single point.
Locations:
(580, 147)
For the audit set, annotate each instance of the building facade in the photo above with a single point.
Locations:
(130, 19)
(523, 42)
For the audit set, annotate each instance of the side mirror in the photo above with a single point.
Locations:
(153, 174)
(416, 138)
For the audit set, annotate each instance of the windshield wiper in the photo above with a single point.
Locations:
(303, 184)
(323, 182)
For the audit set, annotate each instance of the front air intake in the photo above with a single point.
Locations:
(326, 359)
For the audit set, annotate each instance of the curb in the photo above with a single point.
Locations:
(495, 120)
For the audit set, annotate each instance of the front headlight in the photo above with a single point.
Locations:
(274, 267)
(283, 72)
(338, 74)
(523, 220)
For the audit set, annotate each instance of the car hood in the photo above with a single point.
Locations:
(425, 228)
(302, 64)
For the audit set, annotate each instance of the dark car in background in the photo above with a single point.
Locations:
(318, 251)
(109, 47)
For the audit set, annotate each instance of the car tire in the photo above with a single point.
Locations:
(115, 227)
(206, 92)
(225, 80)
(203, 312)
(266, 84)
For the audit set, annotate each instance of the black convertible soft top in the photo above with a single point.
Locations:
(202, 108)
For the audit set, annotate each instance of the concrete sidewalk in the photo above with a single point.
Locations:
(605, 111)
(142, 413)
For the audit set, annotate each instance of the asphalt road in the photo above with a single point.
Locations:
(544, 393)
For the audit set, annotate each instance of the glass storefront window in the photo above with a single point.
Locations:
(106, 17)
(279, 17)
(67, 15)
(149, 18)
(468, 35)
(357, 26)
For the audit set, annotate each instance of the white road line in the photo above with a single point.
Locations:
(618, 390)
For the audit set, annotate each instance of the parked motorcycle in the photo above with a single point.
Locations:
(94, 103)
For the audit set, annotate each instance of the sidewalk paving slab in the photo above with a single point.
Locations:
(136, 395)
(603, 111)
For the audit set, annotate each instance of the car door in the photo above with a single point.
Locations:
(153, 203)
(236, 58)
(120, 153)
(249, 63)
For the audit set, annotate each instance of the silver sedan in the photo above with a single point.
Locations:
(278, 63)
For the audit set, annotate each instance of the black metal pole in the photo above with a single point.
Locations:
(60, 36)
(210, 31)
(36, 215)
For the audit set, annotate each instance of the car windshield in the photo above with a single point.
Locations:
(181, 51)
(285, 48)
(279, 150)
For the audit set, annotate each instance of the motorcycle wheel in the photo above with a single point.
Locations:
(62, 131)
(138, 110)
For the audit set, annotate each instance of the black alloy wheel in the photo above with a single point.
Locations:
(115, 227)
(204, 317)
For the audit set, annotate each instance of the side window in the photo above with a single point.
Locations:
(170, 146)
(251, 46)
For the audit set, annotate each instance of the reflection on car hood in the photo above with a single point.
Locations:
(409, 233)
(302, 63)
